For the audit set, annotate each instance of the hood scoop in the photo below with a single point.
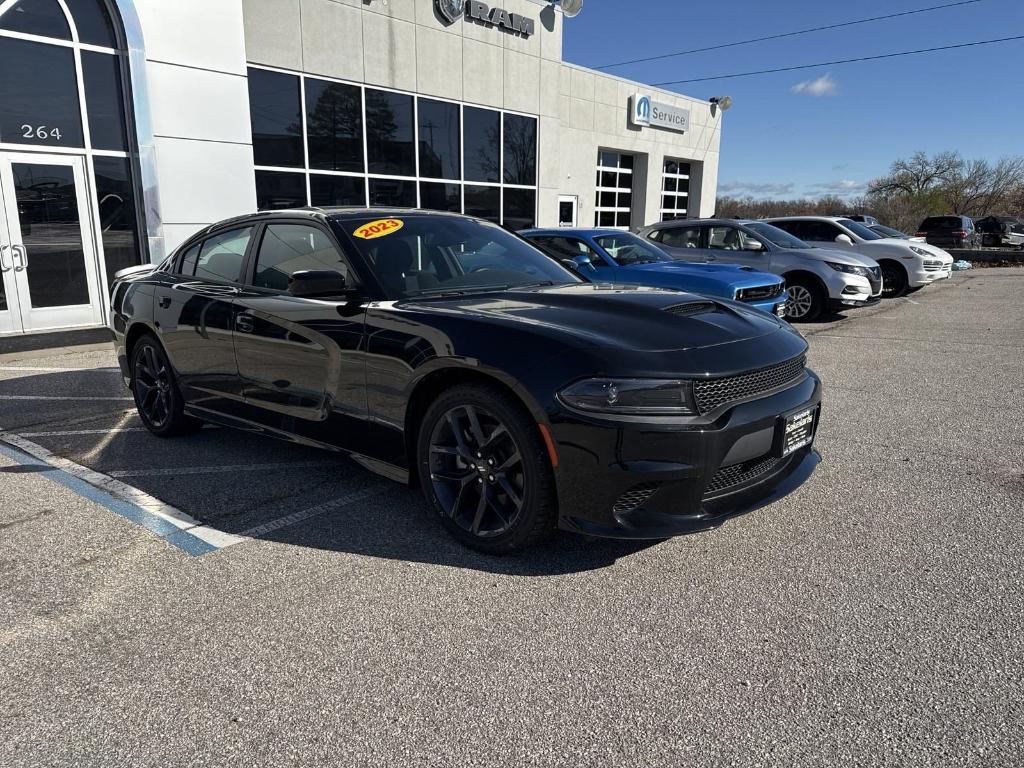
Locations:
(691, 308)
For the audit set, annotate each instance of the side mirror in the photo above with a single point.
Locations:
(318, 283)
(752, 245)
(584, 263)
(844, 239)
(570, 264)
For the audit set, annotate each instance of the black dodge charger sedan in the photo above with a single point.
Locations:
(444, 352)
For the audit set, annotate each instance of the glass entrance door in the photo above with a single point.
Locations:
(47, 253)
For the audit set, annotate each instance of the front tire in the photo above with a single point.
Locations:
(485, 471)
(894, 280)
(155, 389)
(805, 301)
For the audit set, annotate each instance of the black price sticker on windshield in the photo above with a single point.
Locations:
(379, 228)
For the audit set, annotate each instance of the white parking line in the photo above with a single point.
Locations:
(211, 470)
(297, 517)
(55, 370)
(71, 432)
(53, 397)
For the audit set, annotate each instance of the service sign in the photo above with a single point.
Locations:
(647, 113)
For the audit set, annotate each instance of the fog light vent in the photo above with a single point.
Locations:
(634, 498)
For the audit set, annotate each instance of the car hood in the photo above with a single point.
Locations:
(636, 318)
(837, 256)
(733, 275)
(892, 246)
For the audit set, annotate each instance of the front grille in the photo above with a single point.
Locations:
(760, 293)
(693, 308)
(739, 474)
(710, 394)
(634, 498)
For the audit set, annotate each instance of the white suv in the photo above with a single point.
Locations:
(906, 266)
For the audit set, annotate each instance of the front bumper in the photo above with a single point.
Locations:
(920, 276)
(651, 481)
(846, 290)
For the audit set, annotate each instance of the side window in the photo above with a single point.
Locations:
(724, 239)
(681, 237)
(567, 248)
(290, 248)
(188, 261)
(222, 256)
(795, 228)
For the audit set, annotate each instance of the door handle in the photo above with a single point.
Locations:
(3, 266)
(24, 257)
(244, 324)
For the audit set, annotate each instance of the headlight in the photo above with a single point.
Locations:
(922, 252)
(849, 269)
(649, 397)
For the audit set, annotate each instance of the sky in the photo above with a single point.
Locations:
(825, 130)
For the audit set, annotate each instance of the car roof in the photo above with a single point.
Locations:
(807, 218)
(702, 222)
(574, 231)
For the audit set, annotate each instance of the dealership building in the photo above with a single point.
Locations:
(127, 125)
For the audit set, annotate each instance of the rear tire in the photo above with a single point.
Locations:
(485, 471)
(155, 390)
(894, 280)
(805, 300)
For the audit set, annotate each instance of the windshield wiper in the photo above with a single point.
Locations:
(434, 293)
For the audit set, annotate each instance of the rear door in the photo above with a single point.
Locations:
(194, 314)
(731, 245)
(301, 360)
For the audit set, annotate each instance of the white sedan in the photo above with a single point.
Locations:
(906, 265)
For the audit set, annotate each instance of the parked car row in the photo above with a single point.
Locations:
(825, 262)
(956, 231)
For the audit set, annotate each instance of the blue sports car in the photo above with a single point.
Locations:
(614, 256)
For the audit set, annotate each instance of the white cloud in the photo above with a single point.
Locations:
(839, 187)
(755, 189)
(822, 86)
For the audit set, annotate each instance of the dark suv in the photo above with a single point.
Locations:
(949, 232)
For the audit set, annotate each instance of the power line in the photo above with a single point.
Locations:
(840, 61)
(789, 34)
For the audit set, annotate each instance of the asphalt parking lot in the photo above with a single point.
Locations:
(290, 608)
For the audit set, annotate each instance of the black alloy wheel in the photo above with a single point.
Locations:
(485, 470)
(894, 280)
(804, 301)
(156, 393)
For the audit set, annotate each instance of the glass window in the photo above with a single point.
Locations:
(222, 256)
(92, 20)
(777, 236)
(434, 254)
(347, 191)
(861, 231)
(392, 193)
(520, 209)
(275, 113)
(483, 202)
(724, 239)
(439, 139)
(278, 189)
(482, 144)
(567, 248)
(188, 261)
(290, 248)
(104, 102)
(629, 250)
(36, 17)
(38, 94)
(520, 157)
(389, 133)
(681, 237)
(437, 196)
(334, 126)
(814, 231)
(115, 192)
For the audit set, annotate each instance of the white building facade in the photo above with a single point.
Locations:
(127, 125)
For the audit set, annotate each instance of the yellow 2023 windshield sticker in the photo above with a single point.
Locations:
(379, 228)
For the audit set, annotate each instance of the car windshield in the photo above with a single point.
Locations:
(629, 250)
(864, 233)
(889, 232)
(420, 255)
(777, 236)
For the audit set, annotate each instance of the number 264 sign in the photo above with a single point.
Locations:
(40, 132)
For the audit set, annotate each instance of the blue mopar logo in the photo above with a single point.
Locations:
(643, 109)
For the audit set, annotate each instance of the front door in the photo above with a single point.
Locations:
(48, 259)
